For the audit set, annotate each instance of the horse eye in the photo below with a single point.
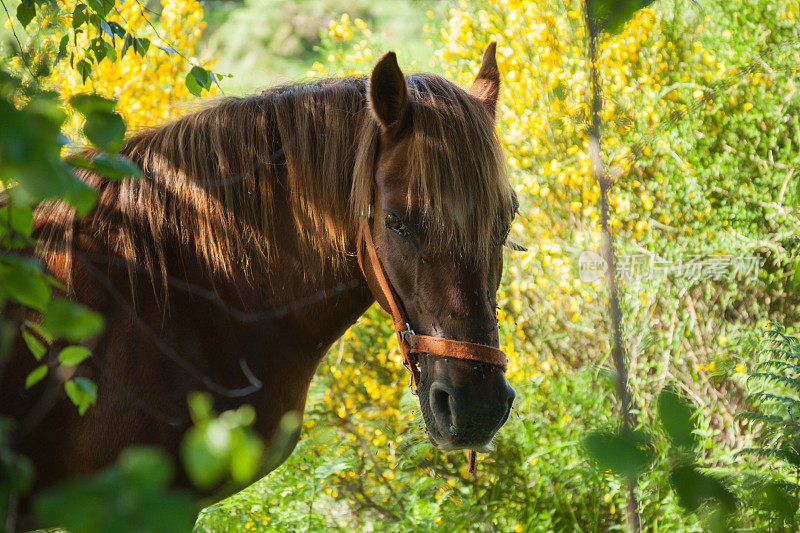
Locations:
(396, 225)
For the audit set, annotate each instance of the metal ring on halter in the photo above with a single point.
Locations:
(410, 378)
(406, 332)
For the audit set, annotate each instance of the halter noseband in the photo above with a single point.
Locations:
(411, 343)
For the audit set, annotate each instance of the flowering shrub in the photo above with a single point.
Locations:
(701, 135)
(686, 106)
(149, 88)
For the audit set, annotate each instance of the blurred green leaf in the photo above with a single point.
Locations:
(626, 454)
(129, 496)
(675, 415)
(35, 376)
(72, 321)
(146, 469)
(247, 452)
(73, 355)
(24, 285)
(82, 392)
(109, 166)
(105, 130)
(204, 461)
(780, 501)
(34, 345)
(613, 14)
(694, 488)
(41, 330)
(16, 225)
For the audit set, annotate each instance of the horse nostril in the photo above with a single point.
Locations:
(443, 406)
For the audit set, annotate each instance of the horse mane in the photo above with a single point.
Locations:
(214, 180)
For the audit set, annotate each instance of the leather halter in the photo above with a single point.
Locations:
(411, 343)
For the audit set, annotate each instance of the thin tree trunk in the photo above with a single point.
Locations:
(599, 174)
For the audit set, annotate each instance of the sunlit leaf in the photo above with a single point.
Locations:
(72, 321)
(204, 463)
(24, 285)
(37, 348)
(82, 392)
(36, 375)
(73, 355)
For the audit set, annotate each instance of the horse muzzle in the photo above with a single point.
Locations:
(467, 402)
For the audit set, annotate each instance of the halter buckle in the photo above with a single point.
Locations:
(408, 332)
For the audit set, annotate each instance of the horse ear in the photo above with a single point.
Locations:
(388, 93)
(487, 83)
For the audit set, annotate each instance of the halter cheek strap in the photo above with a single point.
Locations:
(411, 343)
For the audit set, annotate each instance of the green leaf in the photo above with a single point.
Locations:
(25, 285)
(613, 14)
(81, 196)
(87, 104)
(780, 501)
(73, 355)
(98, 49)
(41, 330)
(16, 226)
(62, 49)
(145, 469)
(247, 452)
(79, 16)
(72, 321)
(204, 462)
(127, 42)
(116, 29)
(34, 345)
(193, 86)
(105, 130)
(141, 45)
(110, 166)
(676, 417)
(84, 68)
(200, 407)
(35, 376)
(694, 488)
(625, 454)
(82, 392)
(25, 14)
(198, 79)
(101, 7)
(131, 495)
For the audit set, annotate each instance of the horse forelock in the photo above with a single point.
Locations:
(231, 182)
(456, 171)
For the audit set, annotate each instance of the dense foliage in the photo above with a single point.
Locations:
(702, 135)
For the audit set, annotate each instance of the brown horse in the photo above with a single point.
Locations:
(231, 266)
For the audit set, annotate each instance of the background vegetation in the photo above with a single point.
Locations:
(701, 132)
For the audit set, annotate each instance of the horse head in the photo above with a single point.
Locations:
(439, 210)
